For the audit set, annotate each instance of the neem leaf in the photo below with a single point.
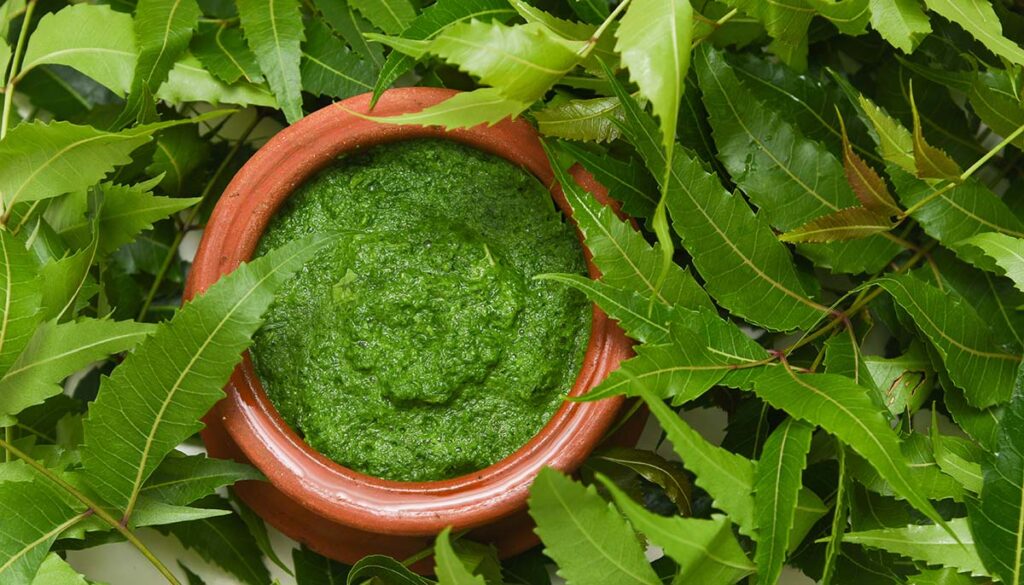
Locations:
(705, 550)
(391, 16)
(993, 96)
(978, 18)
(640, 319)
(341, 17)
(654, 41)
(997, 518)
(930, 162)
(744, 267)
(628, 181)
(180, 151)
(223, 52)
(793, 180)
(449, 568)
(958, 458)
(867, 185)
(1006, 251)
(786, 23)
(91, 38)
(726, 476)
(34, 515)
(314, 569)
(928, 543)
(189, 82)
(384, 568)
(274, 32)
(486, 105)
(154, 399)
(183, 480)
(895, 142)
(224, 541)
(585, 535)
(434, 19)
(846, 224)
(845, 409)
(163, 29)
(58, 350)
(20, 291)
(849, 16)
(973, 359)
(56, 571)
(777, 484)
(901, 22)
(587, 120)
(655, 469)
(329, 68)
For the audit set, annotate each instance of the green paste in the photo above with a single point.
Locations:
(418, 346)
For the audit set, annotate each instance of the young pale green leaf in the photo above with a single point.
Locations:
(972, 358)
(342, 18)
(901, 22)
(155, 513)
(20, 290)
(928, 543)
(486, 105)
(849, 16)
(628, 182)
(449, 568)
(654, 40)
(223, 52)
(434, 19)
(787, 24)
(189, 82)
(744, 267)
(585, 535)
(91, 38)
(391, 16)
(181, 481)
(163, 29)
(940, 577)
(66, 278)
(273, 30)
(777, 484)
(383, 568)
(846, 224)
(655, 469)
(1007, 252)
(930, 162)
(978, 18)
(792, 179)
(706, 550)
(894, 141)
(726, 476)
(180, 152)
(56, 351)
(587, 120)
(56, 571)
(845, 409)
(154, 399)
(622, 254)
(223, 541)
(997, 517)
(314, 569)
(958, 458)
(34, 515)
(329, 68)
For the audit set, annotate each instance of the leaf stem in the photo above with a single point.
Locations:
(173, 249)
(966, 174)
(12, 76)
(604, 26)
(94, 508)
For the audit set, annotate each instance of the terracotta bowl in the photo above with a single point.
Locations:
(334, 510)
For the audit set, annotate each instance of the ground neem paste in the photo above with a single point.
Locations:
(419, 346)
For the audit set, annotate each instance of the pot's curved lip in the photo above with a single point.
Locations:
(319, 484)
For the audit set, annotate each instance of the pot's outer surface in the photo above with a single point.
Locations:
(336, 511)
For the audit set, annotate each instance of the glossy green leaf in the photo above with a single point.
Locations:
(628, 182)
(940, 577)
(274, 32)
(329, 68)
(383, 568)
(449, 568)
(958, 458)
(642, 320)
(894, 141)
(655, 469)
(180, 152)
(464, 110)
(21, 291)
(34, 515)
(189, 82)
(93, 39)
(901, 22)
(434, 19)
(930, 162)
(587, 120)
(786, 23)
(997, 518)
(585, 535)
(176, 375)
(56, 571)
(183, 480)
(849, 16)
(56, 351)
(342, 18)
(845, 409)
(391, 16)
(314, 569)
(1007, 253)
(223, 52)
(994, 98)
(929, 544)
(978, 18)
(706, 550)
(972, 359)
(654, 41)
(777, 484)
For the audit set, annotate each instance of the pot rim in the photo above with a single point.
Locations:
(329, 489)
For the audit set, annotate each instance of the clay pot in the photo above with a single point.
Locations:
(334, 510)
